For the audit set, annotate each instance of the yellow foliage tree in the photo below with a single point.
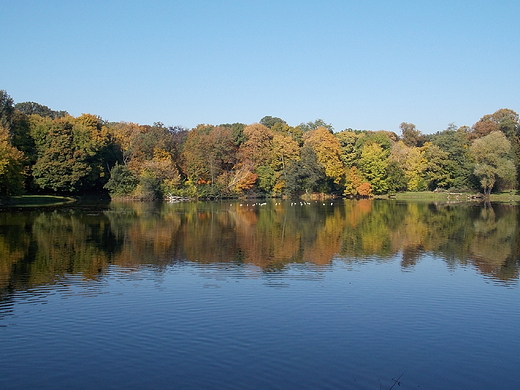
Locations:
(11, 166)
(328, 152)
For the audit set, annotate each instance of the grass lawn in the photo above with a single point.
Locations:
(38, 200)
(507, 196)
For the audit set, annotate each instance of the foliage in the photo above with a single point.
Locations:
(51, 151)
(373, 165)
(270, 121)
(32, 108)
(493, 159)
(439, 169)
(210, 153)
(6, 110)
(122, 182)
(459, 164)
(410, 135)
(354, 184)
(313, 125)
(70, 153)
(328, 152)
(11, 166)
(504, 120)
(306, 174)
(348, 141)
(148, 187)
(397, 180)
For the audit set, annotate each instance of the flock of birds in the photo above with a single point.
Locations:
(279, 204)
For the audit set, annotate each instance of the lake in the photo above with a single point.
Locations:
(344, 294)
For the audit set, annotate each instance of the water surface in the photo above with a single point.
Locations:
(229, 295)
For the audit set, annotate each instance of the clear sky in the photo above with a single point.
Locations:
(359, 64)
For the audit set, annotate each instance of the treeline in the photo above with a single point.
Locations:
(46, 151)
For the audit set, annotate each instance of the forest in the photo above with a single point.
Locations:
(43, 151)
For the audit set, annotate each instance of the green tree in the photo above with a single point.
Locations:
(492, 155)
(439, 169)
(459, 164)
(70, 153)
(6, 110)
(349, 152)
(32, 108)
(305, 175)
(122, 182)
(313, 125)
(397, 180)
(506, 121)
(270, 121)
(237, 129)
(385, 139)
(266, 178)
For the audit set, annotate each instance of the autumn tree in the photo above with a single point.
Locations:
(492, 155)
(11, 166)
(258, 144)
(242, 178)
(328, 152)
(295, 133)
(414, 164)
(153, 155)
(257, 152)
(504, 120)
(18, 137)
(354, 184)
(373, 165)
(210, 156)
(411, 136)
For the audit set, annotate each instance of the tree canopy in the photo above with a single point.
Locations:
(43, 150)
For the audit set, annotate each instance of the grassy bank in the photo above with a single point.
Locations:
(452, 196)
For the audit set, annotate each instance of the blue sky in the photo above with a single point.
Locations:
(358, 64)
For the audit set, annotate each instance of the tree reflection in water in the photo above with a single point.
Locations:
(38, 247)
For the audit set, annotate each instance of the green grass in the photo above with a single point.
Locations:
(424, 195)
(38, 200)
(507, 196)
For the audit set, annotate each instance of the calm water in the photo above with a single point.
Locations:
(353, 294)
